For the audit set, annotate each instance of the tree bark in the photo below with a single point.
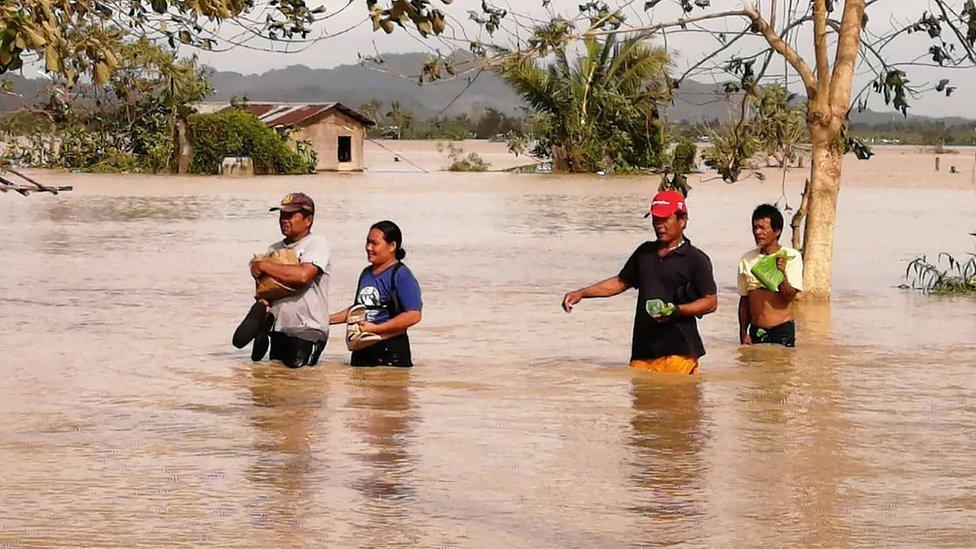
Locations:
(799, 216)
(818, 234)
(184, 148)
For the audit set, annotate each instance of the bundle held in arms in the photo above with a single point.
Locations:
(767, 273)
(269, 289)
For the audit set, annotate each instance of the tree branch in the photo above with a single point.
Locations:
(647, 31)
(711, 56)
(784, 49)
(759, 25)
(820, 48)
(962, 39)
(847, 50)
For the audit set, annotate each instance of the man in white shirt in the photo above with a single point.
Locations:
(765, 315)
(299, 323)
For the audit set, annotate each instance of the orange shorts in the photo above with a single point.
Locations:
(672, 364)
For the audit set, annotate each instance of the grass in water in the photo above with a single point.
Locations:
(947, 276)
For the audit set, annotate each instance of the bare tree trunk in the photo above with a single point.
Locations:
(184, 148)
(560, 158)
(818, 234)
(798, 217)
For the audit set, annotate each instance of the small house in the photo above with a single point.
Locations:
(335, 131)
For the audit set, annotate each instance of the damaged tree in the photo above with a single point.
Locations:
(842, 38)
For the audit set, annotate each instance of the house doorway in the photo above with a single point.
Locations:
(345, 148)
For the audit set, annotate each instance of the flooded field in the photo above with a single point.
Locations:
(127, 419)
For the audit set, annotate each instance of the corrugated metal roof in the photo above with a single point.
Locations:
(259, 109)
(299, 114)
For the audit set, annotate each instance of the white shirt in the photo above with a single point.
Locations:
(748, 282)
(306, 314)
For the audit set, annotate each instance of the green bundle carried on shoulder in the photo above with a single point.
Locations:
(658, 308)
(766, 272)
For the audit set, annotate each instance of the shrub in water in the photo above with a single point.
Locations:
(957, 277)
(240, 133)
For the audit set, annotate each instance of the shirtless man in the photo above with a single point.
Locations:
(766, 316)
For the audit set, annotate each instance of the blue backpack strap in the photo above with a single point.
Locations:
(394, 296)
(359, 284)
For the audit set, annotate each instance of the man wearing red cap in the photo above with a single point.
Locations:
(675, 286)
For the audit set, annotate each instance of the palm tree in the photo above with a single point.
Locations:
(371, 109)
(399, 118)
(600, 111)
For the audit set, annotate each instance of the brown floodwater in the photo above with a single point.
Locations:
(127, 419)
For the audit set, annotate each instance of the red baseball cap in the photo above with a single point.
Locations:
(666, 203)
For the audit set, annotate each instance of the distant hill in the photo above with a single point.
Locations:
(30, 88)
(352, 85)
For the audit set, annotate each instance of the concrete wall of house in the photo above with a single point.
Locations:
(324, 137)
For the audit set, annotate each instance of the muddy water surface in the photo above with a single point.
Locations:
(127, 419)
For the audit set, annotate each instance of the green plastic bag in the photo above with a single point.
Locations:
(657, 308)
(766, 272)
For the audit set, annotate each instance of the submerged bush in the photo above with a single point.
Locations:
(118, 162)
(470, 163)
(682, 162)
(946, 276)
(239, 133)
(461, 162)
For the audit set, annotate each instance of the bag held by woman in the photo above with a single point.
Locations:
(356, 338)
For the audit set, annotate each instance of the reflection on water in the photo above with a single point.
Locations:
(547, 215)
(285, 413)
(129, 420)
(667, 441)
(792, 405)
(383, 415)
(133, 209)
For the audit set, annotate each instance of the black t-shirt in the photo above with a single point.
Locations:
(682, 276)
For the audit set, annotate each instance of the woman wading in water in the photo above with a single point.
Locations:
(391, 296)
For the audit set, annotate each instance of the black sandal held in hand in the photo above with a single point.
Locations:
(251, 325)
(262, 340)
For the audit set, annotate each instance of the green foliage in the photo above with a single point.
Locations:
(400, 120)
(730, 152)
(307, 153)
(470, 163)
(947, 276)
(463, 163)
(893, 86)
(778, 123)
(494, 123)
(683, 156)
(518, 143)
(371, 109)
(117, 162)
(598, 112)
(456, 128)
(239, 133)
(774, 127)
(82, 148)
(83, 37)
(131, 116)
(680, 164)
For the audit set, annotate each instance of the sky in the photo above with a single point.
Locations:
(347, 32)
